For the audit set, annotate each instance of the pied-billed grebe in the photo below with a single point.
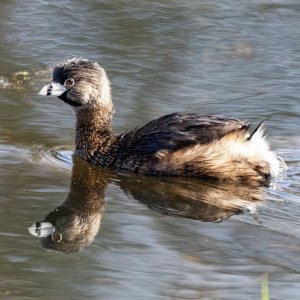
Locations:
(184, 144)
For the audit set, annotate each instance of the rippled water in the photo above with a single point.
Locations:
(153, 239)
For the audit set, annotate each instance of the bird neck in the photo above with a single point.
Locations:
(93, 132)
(86, 194)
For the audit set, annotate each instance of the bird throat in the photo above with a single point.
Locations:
(93, 133)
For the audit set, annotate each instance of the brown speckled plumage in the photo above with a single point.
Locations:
(185, 144)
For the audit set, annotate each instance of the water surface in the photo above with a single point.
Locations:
(235, 59)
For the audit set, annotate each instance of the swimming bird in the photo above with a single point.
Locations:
(181, 144)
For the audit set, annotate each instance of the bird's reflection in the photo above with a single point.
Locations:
(208, 201)
(74, 224)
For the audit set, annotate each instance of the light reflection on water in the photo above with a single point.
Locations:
(238, 60)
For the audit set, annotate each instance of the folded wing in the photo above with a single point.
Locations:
(179, 130)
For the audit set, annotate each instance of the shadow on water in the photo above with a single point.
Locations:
(74, 224)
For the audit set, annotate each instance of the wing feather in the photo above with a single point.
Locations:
(178, 130)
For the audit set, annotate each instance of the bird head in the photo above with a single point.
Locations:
(81, 83)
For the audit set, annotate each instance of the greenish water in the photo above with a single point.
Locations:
(149, 238)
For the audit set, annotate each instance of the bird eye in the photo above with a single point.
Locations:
(56, 237)
(69, 82)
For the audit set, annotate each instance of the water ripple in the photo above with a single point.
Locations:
(58, 158)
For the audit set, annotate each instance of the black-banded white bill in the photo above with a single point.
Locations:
(52, 89)
(41, 229)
